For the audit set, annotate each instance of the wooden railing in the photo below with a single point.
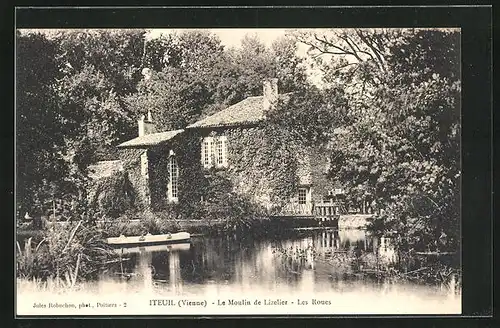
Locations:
(296, 209)
(327, 210)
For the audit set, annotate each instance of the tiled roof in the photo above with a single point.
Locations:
(104, 169)
(152, 139)
(249, 110)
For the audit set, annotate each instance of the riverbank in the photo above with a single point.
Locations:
(132, 227)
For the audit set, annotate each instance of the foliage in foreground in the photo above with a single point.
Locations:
(66, 252)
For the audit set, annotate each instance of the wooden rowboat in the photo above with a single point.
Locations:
(149, 239)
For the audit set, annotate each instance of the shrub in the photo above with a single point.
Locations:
(154, 223)
(112, 196)
(222, 203)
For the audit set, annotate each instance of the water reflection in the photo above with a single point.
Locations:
(174, 270)
(143, 270)
(304, 262)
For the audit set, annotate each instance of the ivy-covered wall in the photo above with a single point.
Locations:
(261, 164)
(191, 182)
(319, 166)
(131, 159)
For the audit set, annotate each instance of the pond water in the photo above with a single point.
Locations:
(305, 272)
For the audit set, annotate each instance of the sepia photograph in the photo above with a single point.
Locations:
(238, 171)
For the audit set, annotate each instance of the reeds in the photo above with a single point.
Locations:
(64, 256)
(368, 264)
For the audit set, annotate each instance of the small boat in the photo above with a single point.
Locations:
(149, 239)
(175, 247)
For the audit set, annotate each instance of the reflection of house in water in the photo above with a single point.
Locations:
(307, 279)
(343, 240)
(327, 240)
(209, 259)
(360, 240)
(244, 264)
(255, 264)
(264, 264)
(157, 267)
(144, 270)
(387, 250)
(355, 239)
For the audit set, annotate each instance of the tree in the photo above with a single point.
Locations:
(117, 54)
(290, 68)
(174, 99)
(253, 62)
(70, 106)
(310, 115)
(184, 74)
(93, 112)
(100, 69)
(193, 75)
(400, 145)
(39, 125)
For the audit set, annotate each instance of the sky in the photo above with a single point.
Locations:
(231, 37)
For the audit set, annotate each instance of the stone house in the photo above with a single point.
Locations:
(156, 164)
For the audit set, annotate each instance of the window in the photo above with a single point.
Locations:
(224, 150)
(144, 163)
(212, 157)
(214, 151)
(302, 195)
(219, 152)
(206, 153)
(173, 183)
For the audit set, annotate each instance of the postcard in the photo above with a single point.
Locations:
(238, 171)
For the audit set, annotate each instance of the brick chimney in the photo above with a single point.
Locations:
(270, 94)
(146, 125)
